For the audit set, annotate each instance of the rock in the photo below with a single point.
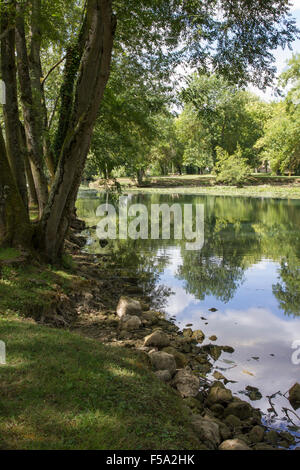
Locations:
(187, 332)
(199, 336)
(253, 393)
(130, 323)
(163, 375)
(163, 361)
(150, 316)
(181, 359)
(272, 437)
(128, 306)
(186, 383)
(239, 408)
(207, 431)
(289, 438)
(294, 396)
(219, 395)
(158, 339)
(218, 410)
(193, 404)
(228, 349)
(234, 444)
(217, 375)
(213, 350)
(262, 446)
(256, 434)
(233, 421)
(213, 338)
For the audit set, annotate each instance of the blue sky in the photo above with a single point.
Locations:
(282, 56)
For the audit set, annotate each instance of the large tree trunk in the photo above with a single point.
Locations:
(10, 109)
(15, 228)
(31, 115)
(93, 75)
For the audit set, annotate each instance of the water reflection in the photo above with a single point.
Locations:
(248, 270)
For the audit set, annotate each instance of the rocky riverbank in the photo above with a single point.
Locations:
(123, 317)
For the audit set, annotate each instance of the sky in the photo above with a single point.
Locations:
(282, 56)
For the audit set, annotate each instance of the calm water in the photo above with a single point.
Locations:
(248, 269)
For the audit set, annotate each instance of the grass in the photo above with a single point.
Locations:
(268, 191)
(63, 391)
(7, 254)
(263, 185)
(32, 290)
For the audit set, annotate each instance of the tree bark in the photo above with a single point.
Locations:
(93, 75)
(15, 228)
(10, 109)
(36, 73)
(31, 115)
(32, 196)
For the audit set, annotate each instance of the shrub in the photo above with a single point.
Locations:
(231, 169)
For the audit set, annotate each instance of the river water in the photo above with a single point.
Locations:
(243, 286)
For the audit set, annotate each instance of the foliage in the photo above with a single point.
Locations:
(231, 169)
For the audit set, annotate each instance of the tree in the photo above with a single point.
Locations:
(157, 34)
(223, 115)
(231, 169)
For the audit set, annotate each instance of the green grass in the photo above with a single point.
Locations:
(63, 391)
(267, 191)
(7, 254)
(32, 290)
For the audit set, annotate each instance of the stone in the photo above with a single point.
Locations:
(272, 437)
(262, 446)
(217, 375)
(181, 359)
(130, 323)
(163, 361)
(163, 375)
(150, 316)
(218, 410)
(239, 408)
(186, 383)
(233, 421)
(157, 339)
(253, 393)
(228, 349)
(207, 431)
(219, 395)
(256, 434)
(294, 396)
(187, 332)
(234, 444)
(199, 336)
(193, 404)
(128, 306)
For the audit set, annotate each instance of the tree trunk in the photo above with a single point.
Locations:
(32, 128)
(32, 196)
(93, 75)
(15, 228)
(10, 109)
(36, 73)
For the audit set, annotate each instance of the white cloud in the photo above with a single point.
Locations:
(295, 5)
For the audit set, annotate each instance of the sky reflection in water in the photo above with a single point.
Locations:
(248, 270)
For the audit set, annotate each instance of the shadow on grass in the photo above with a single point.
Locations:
(62, 391)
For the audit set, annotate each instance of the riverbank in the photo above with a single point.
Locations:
(136, 371)
(261, 186)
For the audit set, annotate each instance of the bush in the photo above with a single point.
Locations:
(231, 169)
